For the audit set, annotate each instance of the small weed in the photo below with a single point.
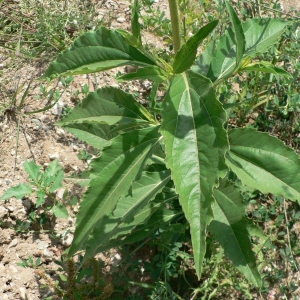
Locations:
(43, 185)
(30, 263)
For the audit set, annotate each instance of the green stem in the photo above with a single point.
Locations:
(174, 13)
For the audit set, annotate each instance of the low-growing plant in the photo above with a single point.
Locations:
(182, 149)
(43, 185)
(30, 263)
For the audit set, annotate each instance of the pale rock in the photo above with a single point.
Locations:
(41, 244)
(60, 193)
(3, 213)
(66, 241)
(8, 181)
(10, 209)
(60, 132)
(57, 108)
(23, 294)
(121, 20)
(13, 243)
(53, 156)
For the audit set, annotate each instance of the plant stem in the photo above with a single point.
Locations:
(174, 13)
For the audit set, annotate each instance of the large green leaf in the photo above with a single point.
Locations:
(220, 61)
(111, 177)
(230, 229)
(186, 55)
(153, 216)
(126, 215)
(109, 106)
(238, 33)
(196, 143)
(263, 162)
(261, 34)
(97, 51)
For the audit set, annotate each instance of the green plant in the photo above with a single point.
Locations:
(30, 263)
(43, 184)
(180, 150)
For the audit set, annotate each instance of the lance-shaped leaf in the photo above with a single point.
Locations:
(196, 143)
(96, 135)
(238, 33)
(111, 177)
(153, 73)
(154, 215)
(263, 162)
(230, 229)
(109, 106)
(267, 67)
(135, 25)
(185, 57)
(97, 51)
(127, 214)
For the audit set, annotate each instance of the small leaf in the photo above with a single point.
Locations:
(41, 198)
(51, 172)
(57, 181)
(33, 170)
(263, 162)
(153, 73)
(230, 229)
(135, 25)
(186, 55)
(18, 191)
(60, 211)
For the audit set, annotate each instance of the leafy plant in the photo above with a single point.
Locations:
(182, 150)
(30, 263)
(43, 184)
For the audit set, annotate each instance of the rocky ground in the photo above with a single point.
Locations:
(34, 137)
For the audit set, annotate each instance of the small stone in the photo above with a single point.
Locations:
(10, 209)
(60, 193)
(42, 244)
(47, 254)
(76, 209)
(22, 292)
(60, 131)
(8, 181)
(121, 20)
(57, 108)
(13, 152)
(3, 212)
(66, 241)
(13, 243)
(53, 156)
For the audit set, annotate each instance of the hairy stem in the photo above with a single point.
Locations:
(173, 6)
